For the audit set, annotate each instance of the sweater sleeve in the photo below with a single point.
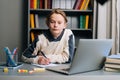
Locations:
(27, 54)
(71, 43)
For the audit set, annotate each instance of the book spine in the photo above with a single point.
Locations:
(56, 4)
(49, 4)
(117, 66)
(72, 3)
(87, 21)
(112, 60)
(77, 4)
(68, 4)
(53, 3)
(111, 69)
(45, 4)
(69, 22)
(32, 21)
(82, 21)
(74, 23)
(63, 3)
(86, 5)
(82, 5)
(35, 4)
(32, 36)
(36, 20)
(41, 4)
(31, 4)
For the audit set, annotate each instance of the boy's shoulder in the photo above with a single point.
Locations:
(68, 31)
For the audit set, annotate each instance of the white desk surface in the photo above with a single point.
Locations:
(49, 75)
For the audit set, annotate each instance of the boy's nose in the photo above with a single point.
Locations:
(56, 24)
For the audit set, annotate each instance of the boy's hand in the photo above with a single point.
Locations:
(44, 61)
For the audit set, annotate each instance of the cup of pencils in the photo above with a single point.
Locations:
(11, 57)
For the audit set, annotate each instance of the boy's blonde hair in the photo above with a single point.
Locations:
(56, 11)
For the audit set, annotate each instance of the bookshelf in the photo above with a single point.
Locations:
(75, 17)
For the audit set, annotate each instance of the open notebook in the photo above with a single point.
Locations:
(89, 56)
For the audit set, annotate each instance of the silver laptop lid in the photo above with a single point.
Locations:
(90, 55)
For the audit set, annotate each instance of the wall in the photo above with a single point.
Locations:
(13, 25)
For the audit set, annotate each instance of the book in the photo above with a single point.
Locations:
(77, 4)
(31, 4)
(86, 5)
(36, 20)
(69, 22)
(111, 69)
(112, 60)
(63, 3)
(82, 21)
(41, 4)
(42, 24)
(32, 36)
(53, 3)
(72, 3)
(83, 5)
(38, 2)
(56, 4)
(87, 21)
(74, 22)
(115, 58)
(112, 65)
(49, 4)
(80, 4)
(34, 4)
(45, 4)
(32, 21)
(68, 4)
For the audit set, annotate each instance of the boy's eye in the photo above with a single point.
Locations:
(59, 22)
(52, 21)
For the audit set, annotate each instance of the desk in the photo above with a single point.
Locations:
(48, 75)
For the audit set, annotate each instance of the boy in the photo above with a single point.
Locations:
(56, 45)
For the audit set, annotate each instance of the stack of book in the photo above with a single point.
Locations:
(112, 63)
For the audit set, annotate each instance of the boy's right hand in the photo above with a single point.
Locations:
(43, 61)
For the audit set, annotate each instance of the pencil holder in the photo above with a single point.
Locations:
(10, 57)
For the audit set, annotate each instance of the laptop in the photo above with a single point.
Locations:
(89, 56)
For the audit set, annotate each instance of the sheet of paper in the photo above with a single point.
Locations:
(45, 65)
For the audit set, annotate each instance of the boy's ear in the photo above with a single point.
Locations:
(65, 25)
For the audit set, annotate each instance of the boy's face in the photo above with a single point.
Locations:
(57, 24)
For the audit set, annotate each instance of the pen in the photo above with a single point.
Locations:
(43, 54)
(14, 51)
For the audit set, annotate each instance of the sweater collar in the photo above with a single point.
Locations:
(50, 37)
